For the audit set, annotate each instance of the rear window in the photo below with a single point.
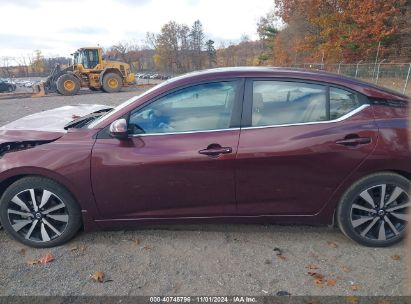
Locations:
(342, 102)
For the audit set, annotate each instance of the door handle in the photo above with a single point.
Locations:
(214, 150)
(354, 141)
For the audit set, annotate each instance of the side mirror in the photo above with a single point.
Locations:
(118, 129)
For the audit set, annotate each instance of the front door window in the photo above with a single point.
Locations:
(201, 107)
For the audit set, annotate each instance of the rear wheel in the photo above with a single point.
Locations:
(39, 212)
(112, 82)
(68, 84)
(374, 211)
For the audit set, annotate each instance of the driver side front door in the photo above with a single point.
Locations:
(179, 159)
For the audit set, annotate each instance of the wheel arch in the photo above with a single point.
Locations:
(110, 70)
(11, 176)
(74, 74)
(68, 73)
(330, 209)
(8, 177)
(375, 211)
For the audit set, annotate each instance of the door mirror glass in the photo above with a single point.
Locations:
(118, 129)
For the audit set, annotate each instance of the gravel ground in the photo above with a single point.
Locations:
(196, 259)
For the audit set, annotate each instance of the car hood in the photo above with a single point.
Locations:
(51, 121)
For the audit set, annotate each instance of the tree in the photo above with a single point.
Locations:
(346, 30)
(243, 54)
(37, 65)
(184, 37)
(211, 53)
(266, 28)
(179, 48)
(197, 42)
(5, 66)
(172, 47)
(267, 31)
(151, 40)
(22, 61)
(50, 63)
(403, 45)
(167, 46)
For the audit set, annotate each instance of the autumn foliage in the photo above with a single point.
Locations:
(336, 30)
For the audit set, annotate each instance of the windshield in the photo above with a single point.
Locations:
(125, 104)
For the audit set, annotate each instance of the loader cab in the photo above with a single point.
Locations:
(89, 58)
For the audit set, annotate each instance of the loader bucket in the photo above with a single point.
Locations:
(38, 90)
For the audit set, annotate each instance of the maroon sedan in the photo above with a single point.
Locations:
(254, 145)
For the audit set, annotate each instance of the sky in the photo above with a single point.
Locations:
(59, 27)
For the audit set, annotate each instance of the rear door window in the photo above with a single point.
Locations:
(292, 102)
(279, 103)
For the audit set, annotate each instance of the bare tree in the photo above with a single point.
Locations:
(23, 63)
(5, 64)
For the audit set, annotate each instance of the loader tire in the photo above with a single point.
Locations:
(68, 84)
(112, 82)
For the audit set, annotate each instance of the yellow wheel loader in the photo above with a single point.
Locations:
(91, 70)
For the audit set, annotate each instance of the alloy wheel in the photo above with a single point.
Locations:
(37, 215)
(380, 212)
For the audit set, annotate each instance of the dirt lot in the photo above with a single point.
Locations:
(196, 260)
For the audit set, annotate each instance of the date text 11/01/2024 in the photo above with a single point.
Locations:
(203, 299)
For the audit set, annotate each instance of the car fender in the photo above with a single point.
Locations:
(377, 161)
(85, 201)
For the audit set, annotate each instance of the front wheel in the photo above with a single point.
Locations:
(68, 84)
(374, 210)
(39, 212)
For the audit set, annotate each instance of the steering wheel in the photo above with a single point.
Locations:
(155, 117)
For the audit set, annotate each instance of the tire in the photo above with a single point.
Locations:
(43, 228)
(112, 82)
(68, 84)
(363, 217)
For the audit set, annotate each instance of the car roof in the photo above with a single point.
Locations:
(366, 88)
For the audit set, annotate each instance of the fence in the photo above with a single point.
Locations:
(396, 76)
